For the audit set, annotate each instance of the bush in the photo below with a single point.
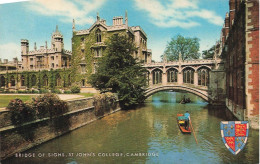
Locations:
(49, 105)
(75, 89)
(44, 90)
(67, 92)
(20, 111)
(56, 91)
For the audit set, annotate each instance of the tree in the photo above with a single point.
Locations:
(188, 47)
(119, 72)
(208, 54)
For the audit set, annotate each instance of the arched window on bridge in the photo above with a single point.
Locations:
(2, 81)
(172, 75)
(12, 81)
(203, 77)
(188, 76)
(157, 76)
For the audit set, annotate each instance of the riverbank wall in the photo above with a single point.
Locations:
(15, 139)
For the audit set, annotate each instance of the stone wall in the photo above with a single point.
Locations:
(20, 138)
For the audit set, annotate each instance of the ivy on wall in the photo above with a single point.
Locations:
(64, 74)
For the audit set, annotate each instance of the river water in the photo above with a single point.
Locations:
(148, 134)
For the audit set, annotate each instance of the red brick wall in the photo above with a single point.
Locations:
(254, 56)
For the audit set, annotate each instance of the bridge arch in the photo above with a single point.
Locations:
(198, 92)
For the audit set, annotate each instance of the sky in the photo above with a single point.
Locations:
(161, 20)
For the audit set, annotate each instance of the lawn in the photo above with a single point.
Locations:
(5, 99)
(87, 94)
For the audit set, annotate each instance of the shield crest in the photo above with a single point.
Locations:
(234, 135)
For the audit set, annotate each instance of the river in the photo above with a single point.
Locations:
(148, 134)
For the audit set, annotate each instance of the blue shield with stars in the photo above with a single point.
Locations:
(234, 135)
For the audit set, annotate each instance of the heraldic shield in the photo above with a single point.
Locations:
(234, 135)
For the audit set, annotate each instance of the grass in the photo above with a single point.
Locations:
(87, 94)
(5, 99)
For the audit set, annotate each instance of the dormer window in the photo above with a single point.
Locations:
(98, 35)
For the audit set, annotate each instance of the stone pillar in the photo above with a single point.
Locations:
(180, 78)
(164, 78)
(196, 78)
(150, 79)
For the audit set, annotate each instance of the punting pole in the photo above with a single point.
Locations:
(193, 132)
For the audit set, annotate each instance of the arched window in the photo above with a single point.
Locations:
(98, 35)
(45, 80)
(33, 80)
(172, 75)
(58, 80)
(203, 77)
(12, 81)
(22, 80)
(2, 81)
(69, 80)
(188, 76)
(157, 76)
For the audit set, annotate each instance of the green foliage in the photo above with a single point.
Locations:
(208, 54)
(188, 47)
(57, 91)
(103, 103)
(119, 72)
(44, 90)
(49, 105)
(75, 89)
(20, 112)
(67, 92)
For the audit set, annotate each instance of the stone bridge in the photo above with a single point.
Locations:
(190, 75)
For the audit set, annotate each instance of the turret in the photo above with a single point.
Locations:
(24, 46)
(126, 19)
(57, 40)
(73, 25)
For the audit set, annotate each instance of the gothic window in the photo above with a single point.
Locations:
(157, 76)
(95, 67)
(22, 80)
(45, 80)
(33, 80)
(58, 80)
(203, 77)
(83, 68)
(98, 35)
(2, 81)
(69, 80)
(172, 75)
(188, 76)
(12, 80)
(83, 82)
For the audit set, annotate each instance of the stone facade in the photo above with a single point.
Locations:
(90, 44)
(240, 42)
(54, 58)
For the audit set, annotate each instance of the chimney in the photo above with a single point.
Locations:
(232, 8)
(117, 21)
(126, 19)
(103, 21)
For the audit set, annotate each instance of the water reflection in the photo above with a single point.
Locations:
(150, 129)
